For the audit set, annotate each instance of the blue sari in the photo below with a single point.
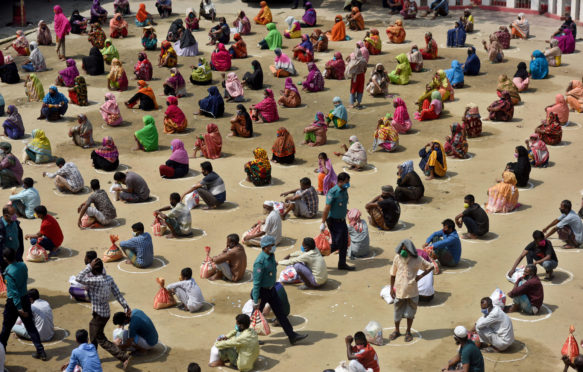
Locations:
(455, 74)
(539, 67)
(472, 65)
(212, 105)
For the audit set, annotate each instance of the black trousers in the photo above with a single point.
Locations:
(339, 234)
(10, 317)
(146, 102)
(269, 296)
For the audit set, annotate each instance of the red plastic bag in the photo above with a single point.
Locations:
(113, 253)
(158, 229)
(207, 268)
(323, 242)
(259, 324)
(570, 347)
(2, 287)
(163, 298)
(36, 253)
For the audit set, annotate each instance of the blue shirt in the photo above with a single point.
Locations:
(16, 276)
(142, 326)
(11, 237)
(337, 199)
(450, 242)
(143, 247)
(30, 198)
(86, 357)
(264, 274)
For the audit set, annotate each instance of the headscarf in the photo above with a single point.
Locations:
(309, 16)
(116, 72)
(115, 23)
(405, 67)
(173, 112)
(522, 25)
(176, 81)
(338, 32)
(540, 153)
(560, 108)
(315, 81)
(273, 37)
(566, 41)
(15, 118)
(109, 107)
(436, 102)
(319, 121)
(356, 65)
(56, 98)
(409, 247)
(109, 51)
(248, 121)
(354, 219)
(214, 141)
(80, 89)
(385, 132)
(401, 114)
(145, 89)
(472, 64)
(522, 167)
(213, 103)
(69, 73)
(415, 55)
(142, 15)
(233, 85)
(576, 90)
(108, 150)
(282, 61)
(34, 88)
(261, 160)
(284, 144)
(290, 20)
(455, 74)
(339, 111)
(44, 34)
(338, 65)
(148, 135)
(406, 167)
(36, 57)
(40, 143)
(255, 78)
(306, 43)
(21, 41)
(93, 63)
(187, 39)
(357, 17)
(365, 53)
(356, 151)
(268, 107)
(179, 154)
(62, 25)
(521, 71)
(539, 66)
(505, 84)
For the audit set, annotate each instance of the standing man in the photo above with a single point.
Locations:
(334, 216)
(569, 226)
(18, 303)
(11, 234)
(538, 252)
(474, 217)
(100, 287)
(264, 292)
(468, 358)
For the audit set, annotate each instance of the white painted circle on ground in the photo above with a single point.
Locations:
(190, 238)
(571, 126)
(156, 356)
(243, 181)
(112, 225)
(64, 332)
(366, 171)
(470, 156)
(570, 277)
(144, 271)
(529, 186)
(219, 209)
(448, 270)
(193, 315)
(120, 168)
(525, 354)
(259, 363)
(247, 278)
(304, 324)
(83, 191)
(320, 292)
(56, 258)
(481, 240)
(416, 337)
(549, 312)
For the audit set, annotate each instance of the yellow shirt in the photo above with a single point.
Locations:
(405, 271)
(247, 345)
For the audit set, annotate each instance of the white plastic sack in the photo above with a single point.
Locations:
(374, 333)
(386, 294)
(113, 186)
(289, 275)
(342, 367)
(498, 298)
(192, 200)
(518, 273)
(248, 308)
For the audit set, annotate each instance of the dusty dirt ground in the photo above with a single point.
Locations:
(350, 300)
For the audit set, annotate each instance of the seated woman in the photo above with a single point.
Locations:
(259, 170)
(117, 78)
(338, 115)
(521, 168)
(174, 119)
(149, 38)
(521, 78)
(78, 94)
(575, 95)
(121, 6)
(553, 54)
(467, 20)
(33, 88)
(358, 234)
(11, 172)
(505, 84)
(143, 69)
(201, 74)
(209, 143)
(266, 110)
(54, 105)
(93, 64)
(409, 9)
(294, 30)
(502, 109)
(335, 67)
(39, 149)
(494, 49)
(455, 74)
(168, 57)
(396, 32)
(290, 96)
(264, 16)
(220, 58)
(355, 20)
(143, 18)
(430, 110)
(177, 165)
(538, 153)
(186, 45)
(456, 145)
(471, 121)
(191, 21)
(273, 39)
(78, 23)
(36, 61)
(314, 81)
(430, 51)
(283, 148)
(438, 7)
(550, 130)
(355, 155)
(109, 51)
(360, 46)
(566, 41)
(560, 108)
(239, 49)
(220, 33)
(315, 133)
(319, 40)
(456, 37)
(164, 8)
(373, 42)
(212, 105)
(385, 137)
(400, 120)
(13, 125)
(433, 162)
(96, 36)
(503, 36)
(539, 67)
(503, 197)
(110, 111)
(118, 27)
(284, 66)
(241, 123)
(520, 27)
(82, 132)
(304, 51)
(472, 64)
(67, 76)
(147, 137)
(326, 176)
(43, 34)
(242, 24)
(338, 32)
(254, 79)
(309, 17)
(233, 88)
(402, 73)
(415, 58)
(98, 13)
(207, 10)
(378, 84)
(106, 157)
(145, 96)
(409, 185)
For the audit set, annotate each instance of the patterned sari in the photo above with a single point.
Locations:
(259, 170)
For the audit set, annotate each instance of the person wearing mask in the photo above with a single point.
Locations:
(26, 200)
(527, 294)
(474, 217)
(139, 249)
(568, 225)
(142, 333)
(67, 177)
(11, 234)
(494, 328)
(211, 188)
(468, 358)
(239, 348)
(538, 252)
(309, 264)
(84, 356)
(102, 212)
(362, 355)
(50, 235)
(178, 220)
(445, 245)
(384, 210)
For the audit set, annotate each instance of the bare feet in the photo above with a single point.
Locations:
(128, 262)
(469, 236)
(170, 236)
(218, 363)
(126, 363)
(231, 134)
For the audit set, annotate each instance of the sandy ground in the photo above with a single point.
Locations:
(349, 301)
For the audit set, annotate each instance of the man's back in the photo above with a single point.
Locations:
(43, 319)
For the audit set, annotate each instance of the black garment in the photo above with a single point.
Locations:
(11, 315)
(9, 74)
(200, 82)
(187, 39)
(169, 91)
(297, 2)
(270, 296)
(283, 160)
(75, 28)
(225, 35)
(521, 71)
(254, 80)
(522, 167)
(480, 217)
(410, 188)
(146, 102)
(263, 44)
(20, 250)
(162, 11)
(571, 26)
(537, 252)
(339, 235)
(174, 30)
(93, 64)
(352, 4)
(391, 211)
(180, 170)
(100, 162)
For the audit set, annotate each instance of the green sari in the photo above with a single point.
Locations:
(148, 135)
(273, 38)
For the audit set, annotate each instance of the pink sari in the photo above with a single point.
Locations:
(401, 121)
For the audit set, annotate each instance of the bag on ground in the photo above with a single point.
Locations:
(386, 294)
(374, 333)
(113, 253)
(207, 267)
(498, 298)
(158, 229)
(323, 242)
(192, 200)
(36, 253)
(259, 324)
(163, 298)
(289, 275)
(570, 347)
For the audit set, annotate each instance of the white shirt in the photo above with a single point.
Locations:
(499, 322)
(272, 226)
(572, 220)
(43, 319)
(192, 290)
(425, 285)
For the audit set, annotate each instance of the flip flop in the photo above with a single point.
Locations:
(408, 337)
(394, 335)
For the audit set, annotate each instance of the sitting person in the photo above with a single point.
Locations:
(109, 52)
(505, 84)
(9, 71)
(39, 149)
(10, 167)
(503, 197)
(283, 66)
(378, 84)
(550, 130)
(201, 74)
(309, 16)
(372, 42)
(568, 225)
(266, 110)
(433, 162)
(474, 217)
(430, 51)
(355, 20)
(241, 123)
(355, 155)
(290, 96)
(314, 81)
(503, 36)
(445, 245)
(82, 132)
(467, 20)
(294, 29)
(147, 137)
(521, 168)
(230, 265)
(191, 21)
(553, 54)
(33, 88)
(456, 37)
(242, 24)
(220, 58)
(520, 27)
(538, 252)
(338, 32)
(315, 133)
(472, 65)
(239, 347)
(106, 157)
(575, 95)
(270, 227)
(361, 356)
(174, 119)
(178, 220)
(42, 315)
(25, 201)
(84, 356)
(139, 249)
(539, 67)
(272, 40)
(67, 177)
(121, 6)
(303, 202)
(357, 234)
(456, 145)
(538, 152)
(494, 49)
(284, 148)
(212, 105)
(207, 10)
(494, 328)
(319, 40)
(254, 79)
(409, 185)
(430, 110)
(385, 136)
(142, 334)
(455, 74)
(168, 57)
(118, 27)
(36, 61)
(78, 93)
(384, 210)
(43, 35)
(415, 58)
(145, 96)
(468, 355)
(304, 51)
(164, 8)
(98, 13)
(96, 36)
(501, 109)
(177, 165)
(136, 190)
(527, 294)
(209, 143)
(471, 121)
(211, 189)
(54, 105)
(175, 84)
(560, 108)
(239, 48)
(66, 77)
(409, 9)
(396, 32)
(521, 78)
(50, 235)
(258, 170)
(338, 116)
(233, 88)
(438, 7)
(309, 265)
(149, 38)
(264, 16)
(187, 291)
(401, 74)
(101, 213)
(143, 69)
(326, 176)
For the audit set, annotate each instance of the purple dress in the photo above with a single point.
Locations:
(315, 80)
(309, 16)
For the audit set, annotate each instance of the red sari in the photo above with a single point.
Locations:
(211, 142)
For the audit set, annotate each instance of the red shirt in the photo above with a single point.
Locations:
(367, 357)
(50, 228)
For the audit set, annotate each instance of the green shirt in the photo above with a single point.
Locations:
(470, 354)
(16, 276)
(337, 199)
(247, 345)
(11, 238)
(264, 274)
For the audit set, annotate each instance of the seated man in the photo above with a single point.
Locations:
(139, 249)
(362, 355)
(50, 236)
(136, 189)
(468, 357)
(577, 363)
(494, 328)
(445, 245)
(569, 226)
(211, 188)
(474, 217)
(527, 294)
(67, 178)
(240, 347)
(142, 333)
(43, 318)
(538, 252)
(25, 201)
(178, 220)
(101, 213)
(84, 356)
(309, 264)
(384, 210)
(303, 202)
(271, 226)
(232, 262)
(187, 291)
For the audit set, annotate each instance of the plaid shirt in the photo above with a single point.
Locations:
(100, 287)
(70, 172)
(310, 197)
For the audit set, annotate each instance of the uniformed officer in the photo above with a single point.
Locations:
(264, 292)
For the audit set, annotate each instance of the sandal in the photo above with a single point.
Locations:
(408, 337)
(394, 335)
